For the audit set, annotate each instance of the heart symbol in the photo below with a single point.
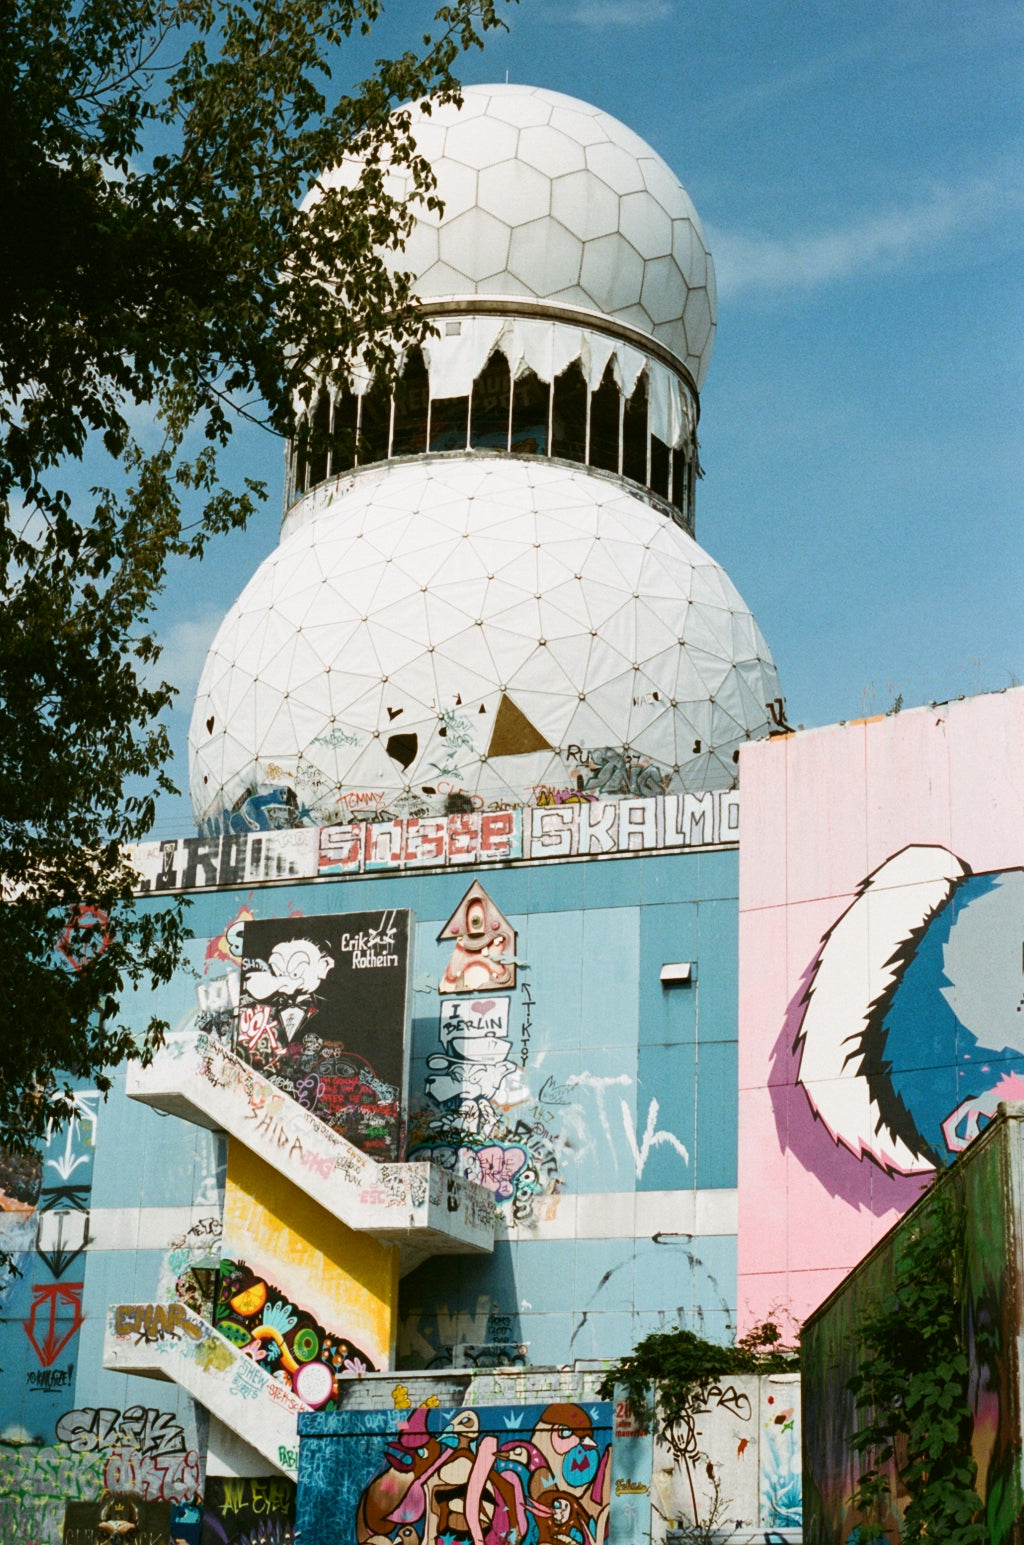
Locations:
(482, 1008)
(209, 725)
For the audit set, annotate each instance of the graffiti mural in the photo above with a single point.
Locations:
(731, 1467)
(781, 1479)
(611, 770)
(143, 1450)
(478, 1117)
(482, 1337)
(877, 1041)
(139, 1458)
(269, 811)
(323, 1013)
(990, 1325)
(55, 1317)
(286, 1339)
(561, 822)
(940, 952)
(485, 945)
(248, 1512)
(41, 1278)
(494, 1475)
(475, 1062)
(86, 936)
(131, 1519)
(992, 1314)
(37, 1480)
(189, 1269)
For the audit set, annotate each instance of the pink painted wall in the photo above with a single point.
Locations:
(881, 981)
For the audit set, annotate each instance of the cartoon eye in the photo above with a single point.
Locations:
(422, 1452)
(565, 1432)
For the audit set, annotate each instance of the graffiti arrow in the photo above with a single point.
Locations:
(48, 1298)
(51, 1245)
(68, 1162)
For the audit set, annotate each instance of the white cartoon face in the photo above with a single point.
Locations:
(295, 968)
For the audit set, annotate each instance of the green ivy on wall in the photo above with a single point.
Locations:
(680, 1367)
(912, 1389)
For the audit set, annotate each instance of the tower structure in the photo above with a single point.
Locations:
(447, 1115)
(488, 587)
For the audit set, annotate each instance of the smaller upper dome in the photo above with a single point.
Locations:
(547, 197)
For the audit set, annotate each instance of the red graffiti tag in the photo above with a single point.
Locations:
(49, 1300)
(86, 936)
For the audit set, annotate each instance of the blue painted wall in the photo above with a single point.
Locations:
(631, 1084)
(620, 1113)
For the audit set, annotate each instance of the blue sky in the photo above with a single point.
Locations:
(859, 169)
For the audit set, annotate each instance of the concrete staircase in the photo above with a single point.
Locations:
(170, 1342)
(419, 1207)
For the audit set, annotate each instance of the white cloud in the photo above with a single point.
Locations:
(184, 647)
(875, 242)
(26, 522)
(758, 96)
(620, 13)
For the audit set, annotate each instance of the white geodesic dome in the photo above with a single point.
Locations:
(489, 628)
(547, 197)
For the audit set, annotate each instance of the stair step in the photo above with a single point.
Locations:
(419, 1206)
(169, 1341)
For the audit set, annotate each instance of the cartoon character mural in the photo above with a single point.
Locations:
(906, 1066)
(485, 945)
(519, 1475)
(479, 1117)
(323, 1011)
(477, 1114)
(881, 982)
(476, 1061)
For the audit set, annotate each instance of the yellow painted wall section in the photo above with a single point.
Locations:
(347, 1280)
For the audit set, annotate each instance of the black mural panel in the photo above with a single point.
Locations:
(128, 1517)
(323, 1012)
(249, 1512)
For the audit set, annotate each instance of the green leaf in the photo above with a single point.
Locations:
(162, 273)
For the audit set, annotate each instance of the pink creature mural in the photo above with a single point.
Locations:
(485, 945)
(535, 1476)
(881, 978)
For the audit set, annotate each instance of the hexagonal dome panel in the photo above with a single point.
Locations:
(515, 181)
(455, 627)
(613, 273)
(475, 244)
(586, 205)
(549, 242)
(515, 154)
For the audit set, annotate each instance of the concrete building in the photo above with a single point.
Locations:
(448, 1117)
(452, 1083)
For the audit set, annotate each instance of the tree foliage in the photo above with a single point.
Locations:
(670, 1372)
(154, 269)
(912, 1389)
